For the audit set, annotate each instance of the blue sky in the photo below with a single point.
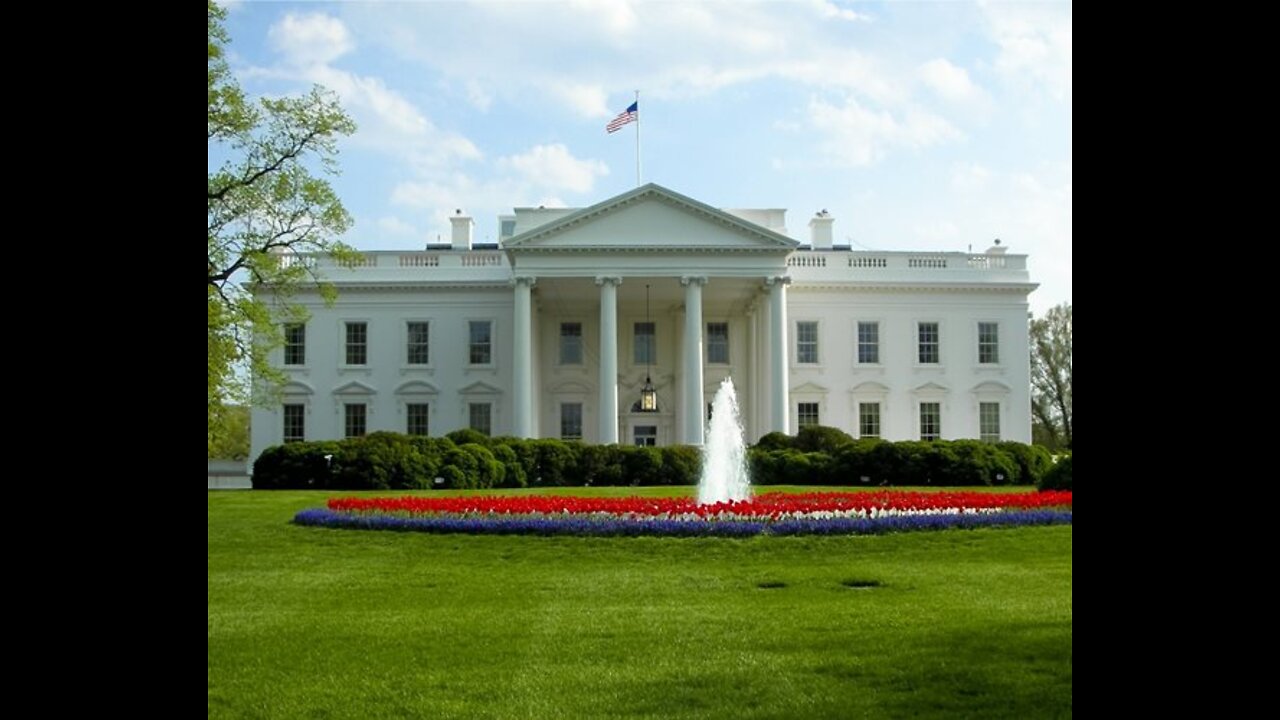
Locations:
(919, 126)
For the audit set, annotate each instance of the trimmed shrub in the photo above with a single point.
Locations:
(1058, 478)
(642, 466)
(1033, 461)
(820, 438)
(774, 441)
(557, 463)
(467, 435)
(514, 475)
(681, 465)
(296, 466)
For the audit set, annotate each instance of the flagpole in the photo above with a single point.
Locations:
(637, 138)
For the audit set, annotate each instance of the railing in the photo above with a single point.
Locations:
(420, 260)
(483, 259)
(837, 263)
(868, 262)
(807, 260)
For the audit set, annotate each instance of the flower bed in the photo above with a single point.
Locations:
(772, 514)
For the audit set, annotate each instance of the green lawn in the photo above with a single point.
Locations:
(315, 623)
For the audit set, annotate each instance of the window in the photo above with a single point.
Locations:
(295, 423)
(507, 228)
(571, 343)
(646, 346)
(419, 348)
(718, 343)
(646, 435)
(928, 335)
(356, 414)
(807, 343)
(416, 418)
(295, 344)
(869, 420)
(930, 421)
(989, 421)
(988, 342)
(869, 342)
(806, 415)
(481, 342)
(571, 421)
(357, 343)
(481, 417)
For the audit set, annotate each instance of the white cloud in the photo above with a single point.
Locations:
(392, 225)
(1035, 43)
(831, 10)
(314, 39)
(947, 80)
(589, 101)
(969, 177)
(858, 136)
(553, 167)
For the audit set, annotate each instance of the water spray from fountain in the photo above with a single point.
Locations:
(724, 456)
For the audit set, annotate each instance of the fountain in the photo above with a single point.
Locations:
(724, 456)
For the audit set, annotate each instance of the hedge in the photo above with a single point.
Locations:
(466, 459)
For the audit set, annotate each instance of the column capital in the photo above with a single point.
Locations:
(777, 280)
(688, 280)
(528, 280)
(613, 280)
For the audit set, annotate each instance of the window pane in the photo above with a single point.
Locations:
(571, 421)
(989, 421)
(419, 343)
(806, 415)
(928, 340)
(571, 343)
(646, 435)
(295, 344)
(930, 421)
(718, 343)
(480, 417)
(295, 423)
(869, 342)
(807, 342)
(417, 414)
(869, 420)
(355, 419)
(645, 344)
(357, 343)
(988, 342)
(481, 342)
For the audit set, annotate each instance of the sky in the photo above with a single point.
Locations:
(917, 125)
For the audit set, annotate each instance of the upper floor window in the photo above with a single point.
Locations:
(930, 421)
(295, 423)
(927, 333)
(357, 343)
(718, 343)
(481, 342)
(869, 342)
(988, 342)
(419, 345)
(295, 344)
(571, 343)
(646, 352)
(807, 343)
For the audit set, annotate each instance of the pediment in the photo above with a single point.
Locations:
(809, 389)
(649, 218)
(417, 387)
(870, 386)
(297, 387)
(930, 387)
(355, 387)
(480, 388)
(992, 386)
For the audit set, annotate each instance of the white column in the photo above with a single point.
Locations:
(522, 380)
(693, 404)
(779, 406)
(608, 359)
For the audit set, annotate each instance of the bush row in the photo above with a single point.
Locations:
(468, 459)
(1059, 477)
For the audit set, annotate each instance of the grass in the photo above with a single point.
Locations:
(315, 623)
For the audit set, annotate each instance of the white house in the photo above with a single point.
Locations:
(553, 332)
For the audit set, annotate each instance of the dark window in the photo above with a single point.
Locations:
(416, 418)
(988, 342)
(570, 343)
(571, 421)
(930, 421)
(295, 344)
(806, 415)
(481, 417)
(869, 420)
(807, 343)
(295, 423)
(357, 343)
(419, 349)
(869, 342)
(355, 419)
(646, 352)
(718, 343)
(928, 337)
(481, 342)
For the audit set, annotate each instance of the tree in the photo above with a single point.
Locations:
(1051, 374)
(265, 205)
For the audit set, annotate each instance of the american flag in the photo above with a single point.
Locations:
(631, 114)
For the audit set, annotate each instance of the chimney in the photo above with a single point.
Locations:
(997, 249)
(820, 230)
(462, 227)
